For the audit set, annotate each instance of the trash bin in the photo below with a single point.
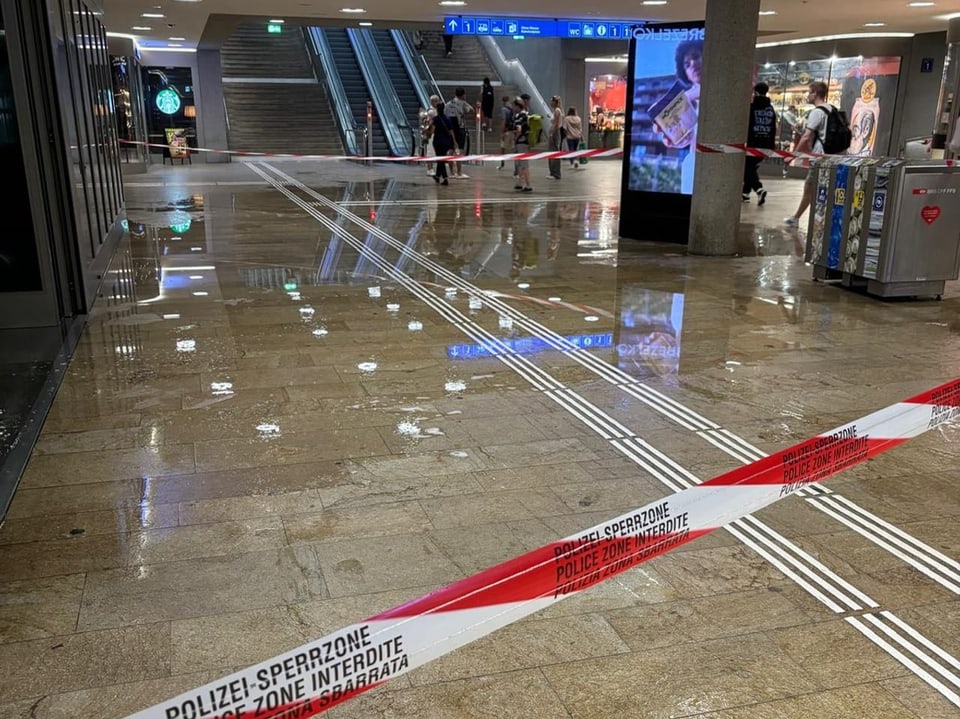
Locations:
(890, 227)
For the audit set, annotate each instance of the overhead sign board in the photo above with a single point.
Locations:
(537, 27)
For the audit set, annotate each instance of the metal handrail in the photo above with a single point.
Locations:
(409, 59)
(514, 73)
(336, 94)
(382, 92)
(433, 80)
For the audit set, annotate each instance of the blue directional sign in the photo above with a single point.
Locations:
(587, 29)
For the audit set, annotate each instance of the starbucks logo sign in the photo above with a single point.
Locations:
(168, 101)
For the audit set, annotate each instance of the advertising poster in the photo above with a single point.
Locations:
(868, 96)
(177, 141)
(820, 207)
(860, 175)
(836, 221)
(667, 71)
(648, 342)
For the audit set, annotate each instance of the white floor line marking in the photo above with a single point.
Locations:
(813, 561)
(724, 448)
(914, 650)
(802, 583)
(942, 653)
(407, 282)
(776, 543)
(691, 420)
(577, 353)
(947, 693)
(915, 563)
(949, 561)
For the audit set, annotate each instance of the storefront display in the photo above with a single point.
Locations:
(865, 88)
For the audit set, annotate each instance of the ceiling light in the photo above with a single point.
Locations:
(177, 39)
(141, 27)
(452, 3)
(276, 22)
(365, 24)
(920, 4)
(874, 24)
(768, 12)
(352, 9)
(845, 36)
(654, 2)
(153, 14)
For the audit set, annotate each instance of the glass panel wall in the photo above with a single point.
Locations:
(19, 262)
(87, 111)
(128, 104)
(863, 87)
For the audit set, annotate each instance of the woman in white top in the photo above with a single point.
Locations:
(573, 132)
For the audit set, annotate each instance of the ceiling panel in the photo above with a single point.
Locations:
(802, 17)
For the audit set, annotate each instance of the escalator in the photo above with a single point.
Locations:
(399, 77)
(354, 86)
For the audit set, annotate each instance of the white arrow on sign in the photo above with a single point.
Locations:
(453, 25)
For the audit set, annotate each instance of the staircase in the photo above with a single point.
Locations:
(279, 106)
(466, 68)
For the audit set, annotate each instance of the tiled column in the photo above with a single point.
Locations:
(211, 113)
(728, 60)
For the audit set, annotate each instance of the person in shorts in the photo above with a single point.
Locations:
(812, 142)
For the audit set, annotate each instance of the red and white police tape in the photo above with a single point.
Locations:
(312, 678)
(547, 155)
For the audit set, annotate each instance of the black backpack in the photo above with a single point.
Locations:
(837, 136)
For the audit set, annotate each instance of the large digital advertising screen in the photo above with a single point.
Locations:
(663, 93)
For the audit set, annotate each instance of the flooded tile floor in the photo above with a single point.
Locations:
(281, 419)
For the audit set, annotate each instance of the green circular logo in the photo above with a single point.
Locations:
(168, 101)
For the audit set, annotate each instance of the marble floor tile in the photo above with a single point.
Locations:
(38, 608)
(80, 661)
(88, 524)
(835, 704)
(199, 587)
(512, 694)
(680, 681)
(238, 478)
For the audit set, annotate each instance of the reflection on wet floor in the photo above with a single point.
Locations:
(297, 405)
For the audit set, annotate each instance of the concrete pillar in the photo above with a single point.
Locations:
(728, 61)
(211, 112)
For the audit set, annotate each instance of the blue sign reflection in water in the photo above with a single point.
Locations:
(530, 345)
(648, 344)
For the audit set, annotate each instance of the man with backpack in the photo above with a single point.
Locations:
(827, 132)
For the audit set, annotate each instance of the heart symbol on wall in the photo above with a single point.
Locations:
(930, 214)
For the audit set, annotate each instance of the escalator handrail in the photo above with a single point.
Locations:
(408, 57)
(382, 93)
(336, 94)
